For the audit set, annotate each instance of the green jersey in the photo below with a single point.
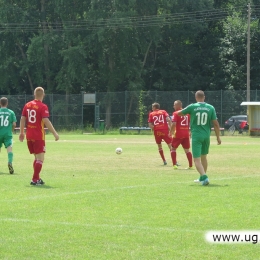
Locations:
(7, 118)
(201, 115)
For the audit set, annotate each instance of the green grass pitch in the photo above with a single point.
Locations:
(100, 205)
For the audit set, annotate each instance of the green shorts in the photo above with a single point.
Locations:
(6, 140)
(200, 146)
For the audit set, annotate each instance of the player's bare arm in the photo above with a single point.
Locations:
(217, 131)
(49, 125)
(13, 126)
(151, 125)
(180, 113)
(168, 119)
(22, 126)
(173, 127)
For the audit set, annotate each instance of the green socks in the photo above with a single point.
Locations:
(203, 177)
(10, 157)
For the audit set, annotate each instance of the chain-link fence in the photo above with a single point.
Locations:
(132, 108)
(66, 111)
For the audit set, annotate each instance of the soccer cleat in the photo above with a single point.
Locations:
(175, 167)
(164, 163)
(197, 181)
(205, 182)
(10, 167)
(39, 182)
(190, 168)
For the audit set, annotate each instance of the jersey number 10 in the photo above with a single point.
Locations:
(202, 118)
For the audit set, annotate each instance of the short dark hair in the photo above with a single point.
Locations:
(3, 101)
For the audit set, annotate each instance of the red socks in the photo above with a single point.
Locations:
(162, 155)
(37, 166)
(189, 156)
(173, 155)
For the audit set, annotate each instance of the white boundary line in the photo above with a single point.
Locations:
(108, 226)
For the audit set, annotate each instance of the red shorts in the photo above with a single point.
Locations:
(185, 142)
(36, 146)
(160, 135)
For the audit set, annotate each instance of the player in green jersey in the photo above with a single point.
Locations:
(7, 125)
(202, 115)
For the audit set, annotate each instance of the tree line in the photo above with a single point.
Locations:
(74, 46)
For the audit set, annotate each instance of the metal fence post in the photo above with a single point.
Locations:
(125, 107)
(82, 110)
(52, 119)
(221, 106)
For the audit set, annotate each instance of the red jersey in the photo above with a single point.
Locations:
(182, 129)
(35, 111)
(158, 119)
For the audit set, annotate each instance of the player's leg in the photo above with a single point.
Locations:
(196, 151)
(158, 140)
(30, 145)
(190, 159)
(38, 148)
(160, 149)
(204, 152)
(186, 146)
(9, 150)
(204, 162)
(8, 145)
(39, 158)
(168, 140)
(199, 166)
(175, 144)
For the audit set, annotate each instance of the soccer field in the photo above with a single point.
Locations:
(100, 205)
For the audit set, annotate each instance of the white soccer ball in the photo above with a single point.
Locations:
(119, 150)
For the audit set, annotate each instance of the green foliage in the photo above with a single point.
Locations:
(141, 109)
(98, 46)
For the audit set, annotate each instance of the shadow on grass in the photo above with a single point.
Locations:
(41, 186)
(7, 173)
(211, 185)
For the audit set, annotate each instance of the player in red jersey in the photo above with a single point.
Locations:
(180, 130)
(160, 122)
(35, 115)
